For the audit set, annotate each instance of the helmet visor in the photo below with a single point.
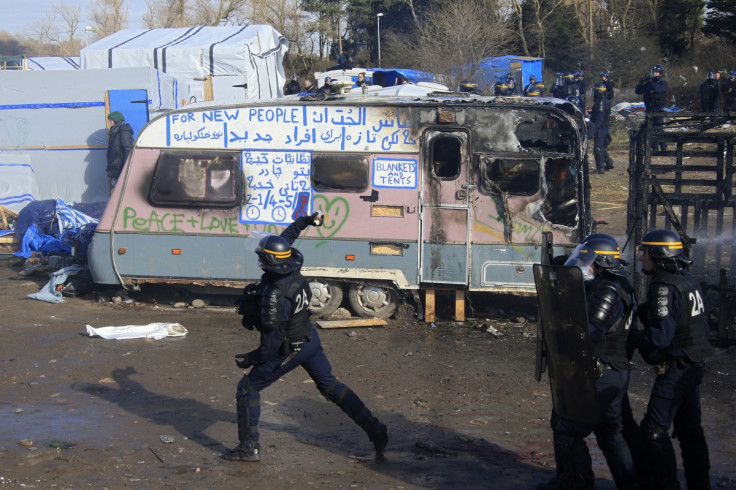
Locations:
(582, 257)
(253, 240)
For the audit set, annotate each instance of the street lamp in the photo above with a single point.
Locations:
(378, 32)
(88, 28)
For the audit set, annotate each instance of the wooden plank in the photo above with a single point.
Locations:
(429, 308)
(459, 305)
(359, 322)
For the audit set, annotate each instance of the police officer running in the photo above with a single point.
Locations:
(653, 88)
(610, 311)
(676, 341)
(277, 307)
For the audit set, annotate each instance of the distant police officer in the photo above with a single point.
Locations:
(600, 116)
(502, 88)
(653, 88)
(533, 88)
(293, 86)
(468, 87)
(709, 93)
(610, 313)
(328, 88)
(559, 90)
(582, 86)
(729, 92)
(278, 308)
(606, 78)
(676, 341)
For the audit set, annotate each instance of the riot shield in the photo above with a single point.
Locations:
(564, 320)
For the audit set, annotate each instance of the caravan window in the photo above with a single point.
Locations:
(509, 175)
(345, 173)
(205, 178)
(446, 157)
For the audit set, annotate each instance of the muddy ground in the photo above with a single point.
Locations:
(460, 400)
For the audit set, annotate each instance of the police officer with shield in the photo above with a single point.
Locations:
(600, 115)
(610, 309)
(676, 341)
(277, 307)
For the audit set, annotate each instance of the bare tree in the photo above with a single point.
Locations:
(59, 26)
(540, 11)
(108, 16)
(455, 37)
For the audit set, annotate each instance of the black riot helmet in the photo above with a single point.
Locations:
(657, 71)
(666, 250)
(276, 255)
(711, 76)
(662, 244)
(608, 253)
(605, 74)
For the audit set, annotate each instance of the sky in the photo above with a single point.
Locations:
(17, 15)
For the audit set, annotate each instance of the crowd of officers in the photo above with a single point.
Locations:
(670, 332)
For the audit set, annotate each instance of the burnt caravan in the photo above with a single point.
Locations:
(432, 192)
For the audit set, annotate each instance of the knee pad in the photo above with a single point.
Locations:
(652, 431)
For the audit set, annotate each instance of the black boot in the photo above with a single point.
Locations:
(609, 163)
(377, 433)
(248, 451)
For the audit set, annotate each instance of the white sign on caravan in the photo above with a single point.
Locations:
(302, 127)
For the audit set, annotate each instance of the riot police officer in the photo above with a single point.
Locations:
(468, 87)
(278, 308)
(709, 93)
(582, 84)
(610, 312)
(293, 86)
(533, 88)
(600, 116)
(606, 78)
(559, 90)
(653, 88)
(676, 341)
(729, 92)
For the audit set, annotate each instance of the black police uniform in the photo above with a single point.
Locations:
(600, 115)
(729, 93)
(654, 92)
(610, 312)
(292, 88)
(676, 339)
(288, 340)
(708, 95)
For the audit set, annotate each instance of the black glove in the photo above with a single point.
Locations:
(244, 362)
(314, 220)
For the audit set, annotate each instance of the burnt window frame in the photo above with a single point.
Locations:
(462, 142)
(168, 167)
(495, 188)
(345, 160)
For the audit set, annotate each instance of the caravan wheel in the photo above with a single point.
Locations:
(370, 301)
(326, 296)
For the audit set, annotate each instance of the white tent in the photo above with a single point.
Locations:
(53, 63)
(235, 63)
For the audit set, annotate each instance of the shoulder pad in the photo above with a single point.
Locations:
(602, 304)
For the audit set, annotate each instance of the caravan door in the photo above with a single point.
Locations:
(445, 197)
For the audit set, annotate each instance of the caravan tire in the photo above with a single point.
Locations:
(369, 301)
(326, 297)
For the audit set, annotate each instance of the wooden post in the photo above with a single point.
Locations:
(459, 305)
(429, 311)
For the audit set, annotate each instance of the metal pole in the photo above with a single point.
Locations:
(378, 32)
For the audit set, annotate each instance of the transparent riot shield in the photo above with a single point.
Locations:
(564, 320)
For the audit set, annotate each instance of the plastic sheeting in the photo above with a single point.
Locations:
(155, 331)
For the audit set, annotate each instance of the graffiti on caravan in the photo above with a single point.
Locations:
(310, 128)
(278, 188)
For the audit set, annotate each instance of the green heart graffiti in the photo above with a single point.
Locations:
(336, 212)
